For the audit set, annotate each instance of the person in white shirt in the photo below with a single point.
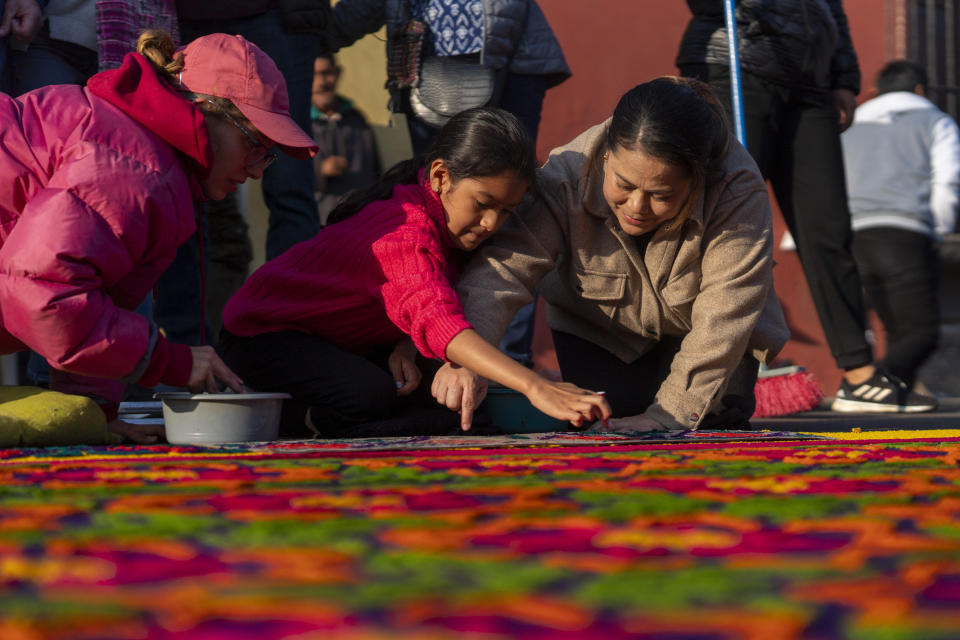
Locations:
(902, 164)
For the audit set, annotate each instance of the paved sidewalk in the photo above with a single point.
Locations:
(946, 416)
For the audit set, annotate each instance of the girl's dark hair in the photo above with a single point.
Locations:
(676, 120)
(475, 143)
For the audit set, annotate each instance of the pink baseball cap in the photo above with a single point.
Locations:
(231, 67)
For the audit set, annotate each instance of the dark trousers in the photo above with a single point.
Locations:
(229, 254)
(794, 136)
(900, 273)
(631, 387)
(523, 96)
(47, 62)
(340, 389)
(179, 306)
(517, 340)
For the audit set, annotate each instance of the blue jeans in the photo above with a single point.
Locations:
(48, 62)
(3, 56)
(179, 309)
(523, 97)
(3, 62)
(288, 185)
(517, 341)
(38, 369)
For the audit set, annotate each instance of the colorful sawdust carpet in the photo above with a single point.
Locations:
(762, 537)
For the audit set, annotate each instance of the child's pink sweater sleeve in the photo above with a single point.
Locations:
(418, 296)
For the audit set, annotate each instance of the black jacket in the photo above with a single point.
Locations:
(795, 43)
(299, 16)
(305, 16)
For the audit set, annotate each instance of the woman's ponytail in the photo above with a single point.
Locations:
(156, 45)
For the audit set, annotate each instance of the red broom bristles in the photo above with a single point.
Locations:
(779, 395)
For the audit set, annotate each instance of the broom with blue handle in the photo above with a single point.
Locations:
(783, 390)
(736, 92)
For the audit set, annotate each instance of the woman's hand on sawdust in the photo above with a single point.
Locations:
(567, 401)
(403, 365)
(138, 433)
(459, 389)
(207, 369)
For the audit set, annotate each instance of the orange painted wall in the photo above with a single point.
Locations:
(614, 45)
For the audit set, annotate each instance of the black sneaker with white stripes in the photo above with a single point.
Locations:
(882, 393)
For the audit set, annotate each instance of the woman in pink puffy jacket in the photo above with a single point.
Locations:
(98, 191)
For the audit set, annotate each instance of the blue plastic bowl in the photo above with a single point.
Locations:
(511, 411)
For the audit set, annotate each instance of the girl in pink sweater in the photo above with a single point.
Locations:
(350, 321)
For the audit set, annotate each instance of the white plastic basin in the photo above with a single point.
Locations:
(221, 418)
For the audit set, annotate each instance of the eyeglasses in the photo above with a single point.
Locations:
(258, 151)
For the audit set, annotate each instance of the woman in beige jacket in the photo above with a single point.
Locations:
(652, 245)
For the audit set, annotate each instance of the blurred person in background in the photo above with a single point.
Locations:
(347, 159)
(800, 77)
(902, 161)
